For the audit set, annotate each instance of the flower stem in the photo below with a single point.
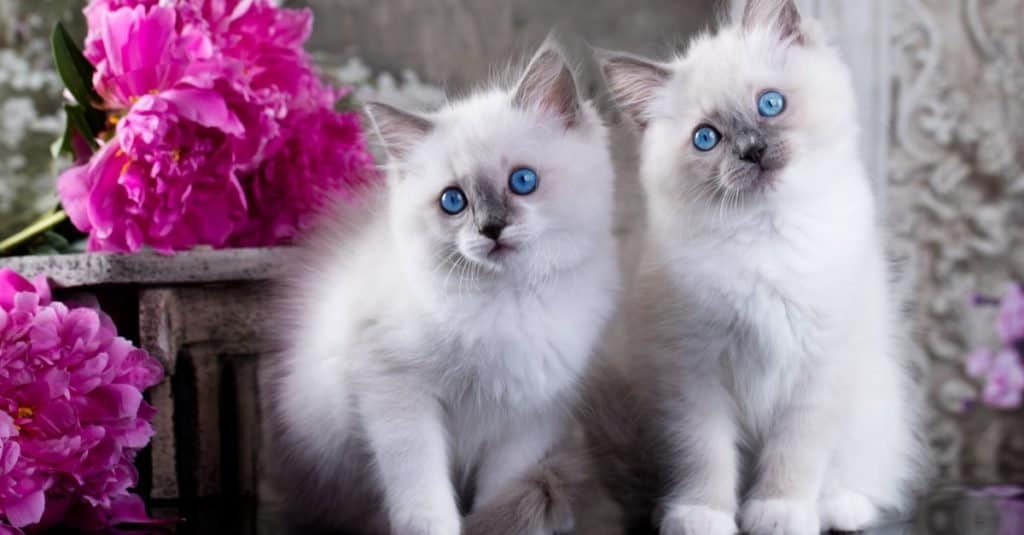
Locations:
(40, 226)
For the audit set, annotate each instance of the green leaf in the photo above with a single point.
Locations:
(77, 123)
(78, 119)
(75, 71)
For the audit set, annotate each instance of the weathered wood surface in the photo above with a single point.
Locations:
(200, 266)
(211, 339)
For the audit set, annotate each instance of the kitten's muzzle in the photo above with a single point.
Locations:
(750, 147)
(492, 228)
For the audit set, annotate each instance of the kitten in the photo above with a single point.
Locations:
(438, 339)
(763, 338)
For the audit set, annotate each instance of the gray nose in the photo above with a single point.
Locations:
(492, 229)
(750, 147)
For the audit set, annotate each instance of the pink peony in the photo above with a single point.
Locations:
(72, 416)
(224, 135)
(140, 51)
(322, 158)
(168, 178)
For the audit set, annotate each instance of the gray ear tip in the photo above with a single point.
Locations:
(603, 55)
(374, 108)
(551, 52)
(553, 42)
(615, 63)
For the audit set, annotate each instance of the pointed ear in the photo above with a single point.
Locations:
(548, 85)
(781, 15)
(633, 83)
(398, 131)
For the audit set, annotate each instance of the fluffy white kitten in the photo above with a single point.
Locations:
(439, 338)
(763, 335)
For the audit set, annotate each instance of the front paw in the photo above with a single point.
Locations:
(779, 517)
(426, 522)
(847, 511)
(697, 520)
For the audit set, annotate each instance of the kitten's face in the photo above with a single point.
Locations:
(500, 187)
(732, 119)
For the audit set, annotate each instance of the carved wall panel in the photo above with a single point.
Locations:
(956, 199)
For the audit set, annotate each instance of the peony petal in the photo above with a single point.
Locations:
(102, 207)
(42, 286)
(10, 451)
(11, 284)
(205, 107)
(25, 510)
(81, 324)
(73, 186)
(7, 430)
(112, 402)
(8, 530)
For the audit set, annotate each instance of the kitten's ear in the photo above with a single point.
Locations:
(398, 131)
(633, 83)
(548, 84)
(781, 15)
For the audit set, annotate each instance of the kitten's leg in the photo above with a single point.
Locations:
(868, 476)
(538, 502)
(406, 434)
(515, 453)
(791, 465)
(701, 434)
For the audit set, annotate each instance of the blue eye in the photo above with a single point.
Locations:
(771, 104)
(706, 138)
(523, 181)
(453, 201)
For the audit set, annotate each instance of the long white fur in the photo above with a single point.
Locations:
(408, 379)
(763, 334)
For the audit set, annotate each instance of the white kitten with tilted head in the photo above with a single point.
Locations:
(764, 337)
(438, 337)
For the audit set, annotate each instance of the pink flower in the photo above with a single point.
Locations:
(1003, 374)
(979, 362)
(323, 159)
(1011, 316)
(224, 134)
(168, 178)
(140, 51)
(270, 40)
(72, 416)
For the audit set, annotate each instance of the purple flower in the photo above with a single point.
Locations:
(1003, 374)
(1011, 316)
(1011, 516)
(72, 415)
(979, 362)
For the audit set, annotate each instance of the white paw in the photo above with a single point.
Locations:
(847, 511)
(779, 517)
(426, 523)
(697, 520)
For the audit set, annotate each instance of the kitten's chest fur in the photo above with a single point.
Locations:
(517, 350)
(777, 296)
